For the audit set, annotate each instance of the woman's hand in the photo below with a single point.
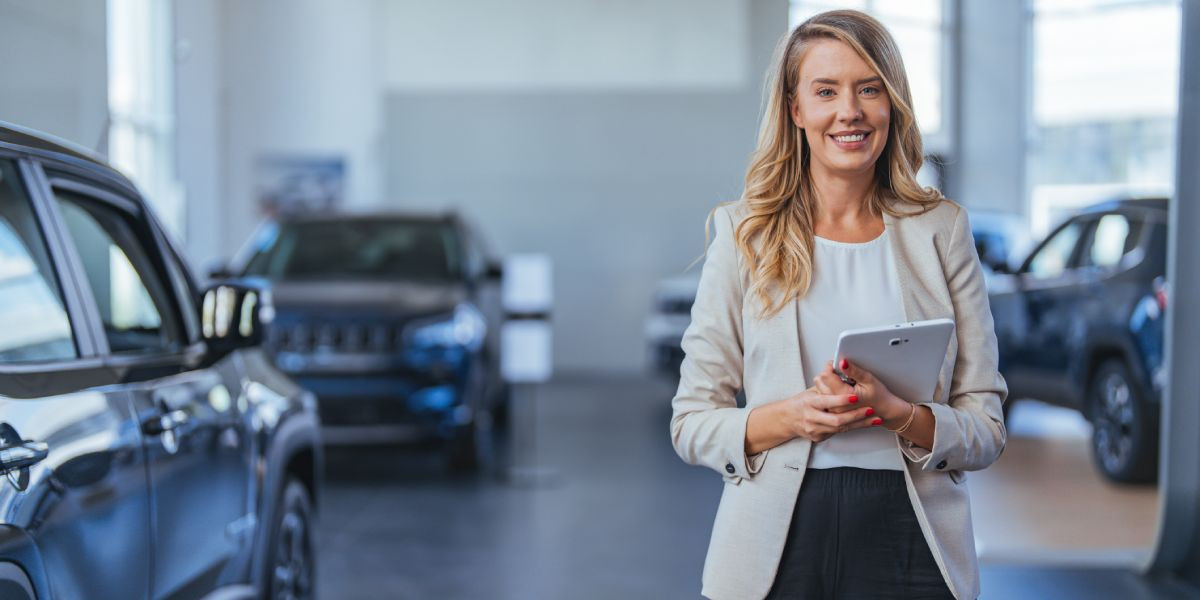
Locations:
(817, 416)
(870, 391)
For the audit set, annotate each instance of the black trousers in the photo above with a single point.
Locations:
(854, 535)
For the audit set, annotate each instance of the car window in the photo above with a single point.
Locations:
(1113, 237)
(128, 291)
(383, 249)
(33, 319)
(1054, 257)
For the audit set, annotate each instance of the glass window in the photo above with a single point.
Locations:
(1104, 82)
(128, 293)
(33, 319)
(920, 28)
(1114, 237)
(359, 249)
(1054, 257)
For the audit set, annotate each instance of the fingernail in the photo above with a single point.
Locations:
(870, 411)
(877, 422)
(853, 398)
(844, 364)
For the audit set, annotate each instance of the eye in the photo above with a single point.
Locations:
(824, 92)
(871, 90)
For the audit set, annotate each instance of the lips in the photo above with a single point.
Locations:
(851, 140)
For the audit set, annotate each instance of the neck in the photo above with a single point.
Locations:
(842, 199)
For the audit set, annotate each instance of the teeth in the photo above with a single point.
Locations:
(850, 138)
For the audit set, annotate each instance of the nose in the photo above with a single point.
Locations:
(850, 109)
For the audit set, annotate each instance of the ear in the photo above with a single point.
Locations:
(794, 111)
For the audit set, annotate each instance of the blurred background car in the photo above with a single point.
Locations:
(1080, 325)
(392, 321)
(135, 411)
(998, 237)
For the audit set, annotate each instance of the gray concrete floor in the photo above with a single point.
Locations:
(621, 518)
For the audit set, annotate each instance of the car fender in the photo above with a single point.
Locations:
(297, 433)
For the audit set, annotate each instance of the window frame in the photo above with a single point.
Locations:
(87, 369)
(1072, 266)
(179, 293)
(1138, 228)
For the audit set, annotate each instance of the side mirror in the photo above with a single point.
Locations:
(236, 313)
(495, 272)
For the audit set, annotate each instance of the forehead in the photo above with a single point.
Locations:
(833, 59)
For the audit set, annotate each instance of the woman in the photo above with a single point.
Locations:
(833, 490)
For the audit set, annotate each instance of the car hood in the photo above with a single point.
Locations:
(391, 297)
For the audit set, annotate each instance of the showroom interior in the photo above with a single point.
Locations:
(578, 146)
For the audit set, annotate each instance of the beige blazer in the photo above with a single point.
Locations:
(729, 347)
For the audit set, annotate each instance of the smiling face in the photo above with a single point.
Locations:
(843, 108)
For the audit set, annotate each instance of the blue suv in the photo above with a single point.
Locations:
(1080, 325)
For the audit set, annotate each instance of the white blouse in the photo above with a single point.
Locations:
(853, 286)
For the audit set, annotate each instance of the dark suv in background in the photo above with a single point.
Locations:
(391, 320)
(148, 448)
(1080, 324)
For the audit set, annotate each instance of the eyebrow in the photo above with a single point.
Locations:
(875, 79)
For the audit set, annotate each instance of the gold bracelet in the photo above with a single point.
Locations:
(912, 413)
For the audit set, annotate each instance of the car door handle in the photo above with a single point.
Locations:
(15, 457)
(160, 424)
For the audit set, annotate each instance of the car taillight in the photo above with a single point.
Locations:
(1161, 291)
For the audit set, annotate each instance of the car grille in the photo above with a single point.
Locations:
(335, 336)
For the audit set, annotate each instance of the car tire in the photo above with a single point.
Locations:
(291, 564)
(1124, 426)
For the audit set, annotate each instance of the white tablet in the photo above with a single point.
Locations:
(906, 357)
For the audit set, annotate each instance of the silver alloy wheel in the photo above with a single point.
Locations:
(292, 572)
(1114, 423)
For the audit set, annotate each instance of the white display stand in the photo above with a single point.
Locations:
(526, 357)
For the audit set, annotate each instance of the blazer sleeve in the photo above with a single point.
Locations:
(969, 432)
(707, 427)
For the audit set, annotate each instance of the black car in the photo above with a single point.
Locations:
(1080, 324)
(391, 320)
(148, 448)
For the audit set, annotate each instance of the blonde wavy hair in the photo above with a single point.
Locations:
(776, 237)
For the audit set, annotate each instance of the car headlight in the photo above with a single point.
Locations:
(466, 327)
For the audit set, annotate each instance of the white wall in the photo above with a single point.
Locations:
(298, 77)
(562, 44)
(53, 74)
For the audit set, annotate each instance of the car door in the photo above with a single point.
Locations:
(74, 498)
(189, 414)
(1047, 292)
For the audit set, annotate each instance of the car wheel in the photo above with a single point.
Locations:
(291, 568)
(1124, 426)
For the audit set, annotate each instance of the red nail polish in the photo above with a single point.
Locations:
(844, 364)
(877, 422)
(870, 411)
(853, 398)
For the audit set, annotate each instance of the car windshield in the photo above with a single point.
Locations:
(385, 249)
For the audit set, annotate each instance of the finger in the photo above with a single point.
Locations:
(832, 401)
(832, 383)
(837, 421)
(822, 385)
(860, 417)
(854, 372)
